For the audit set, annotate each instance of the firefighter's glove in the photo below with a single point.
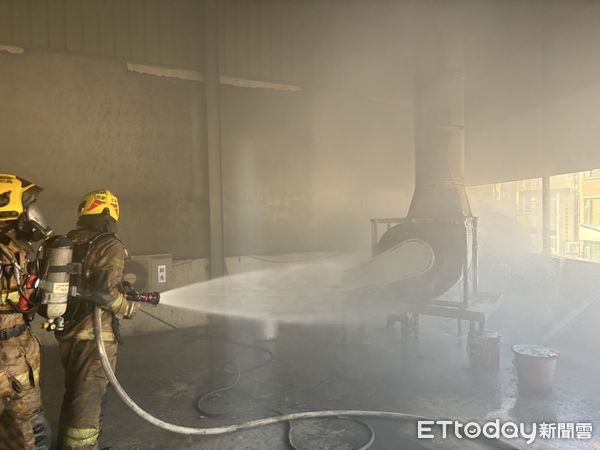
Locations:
(132, 309)
(126, 287)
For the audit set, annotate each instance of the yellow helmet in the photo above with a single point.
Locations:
(99, 202)
(12, 196)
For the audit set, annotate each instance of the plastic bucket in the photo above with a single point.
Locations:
(484, 350)
(535, 365)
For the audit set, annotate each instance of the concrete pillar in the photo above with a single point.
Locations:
(546, 214)
(213, 136)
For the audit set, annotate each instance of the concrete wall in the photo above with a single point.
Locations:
(73, 124)
(531, 76)
(533, 95)
(301, 170)
(307, 170)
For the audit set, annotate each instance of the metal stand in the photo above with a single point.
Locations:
(476, 314)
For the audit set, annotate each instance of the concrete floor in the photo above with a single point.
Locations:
(323, 367)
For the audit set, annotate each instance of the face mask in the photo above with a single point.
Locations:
(33, 225)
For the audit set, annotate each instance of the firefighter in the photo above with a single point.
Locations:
(102, 255)
(22, 422)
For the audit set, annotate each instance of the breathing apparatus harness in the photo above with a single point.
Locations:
(18, 281)
(38, 286)
(80, 305)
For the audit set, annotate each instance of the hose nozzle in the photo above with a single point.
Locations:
(143, 297)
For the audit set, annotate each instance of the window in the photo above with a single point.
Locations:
(592, 174)
(591, 211)
(517, 205)
(573, 215)
(591, 251)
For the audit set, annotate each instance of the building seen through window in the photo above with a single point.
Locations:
(573, 215)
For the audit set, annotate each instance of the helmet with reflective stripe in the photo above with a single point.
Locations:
(14, 196)
(100, 202)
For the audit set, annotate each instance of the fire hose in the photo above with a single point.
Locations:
(227, 429)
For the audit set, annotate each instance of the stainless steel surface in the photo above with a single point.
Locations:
(439, 213)
(451, 240)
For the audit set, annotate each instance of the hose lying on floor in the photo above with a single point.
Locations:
(227, 428)
(242, 426)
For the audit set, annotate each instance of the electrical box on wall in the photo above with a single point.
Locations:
(149, 272)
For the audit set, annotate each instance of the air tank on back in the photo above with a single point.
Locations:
(55, 272)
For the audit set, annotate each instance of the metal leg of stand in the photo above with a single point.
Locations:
(475, 258)
(409, 325)
(404, 326)
(416, 326)
(374, 236)
(465, 280)
(390, 323)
